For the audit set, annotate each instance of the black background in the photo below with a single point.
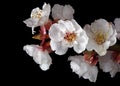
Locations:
(25, 71)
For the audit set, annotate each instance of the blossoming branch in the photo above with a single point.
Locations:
(95, 43)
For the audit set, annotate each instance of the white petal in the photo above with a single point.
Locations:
(44, 67)
(117, 24)
(108, 65)
(90, 45)
(100, 50)
(45, 14)
(55, 33)
(114, 70)
(62, 12)
(53, 45)
(58, 48)
(77, 27)
(99, 25)
(110, 31)
(69, 26)
(68, 12)
(75, 59)
(57, 11)
(37, 56)
(29, 49)
(79, 47)
(44, 6)
(91, 74)
(118, 36)
(106, 44)
(82, 41)
(83, 37)
(77, 64)
(105, 64)
(46, 9)
(40, 57)
(31, 22)
(89, 33)
(62, 27)
(42, 20)
(75, 67)
(113, 39)
(80, 67)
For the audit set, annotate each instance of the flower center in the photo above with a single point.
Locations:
(70, 37)
(37, 14)
(100, 38)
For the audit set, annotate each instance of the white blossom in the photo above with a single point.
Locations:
(101, 36)
(67, 34)
(62, 12)
(39, 56)
(108, 65)
(82, 68)
(38, 17)
(117, 27)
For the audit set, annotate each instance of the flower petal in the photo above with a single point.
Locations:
(29, 49)
(75, 67)
(106, 44)
(117, 24)
(40, 57)
(82, 68)
(91, 74)
(68, 12)
(90, 45)
(44, 67)
(79, 48)
(77, 64)
(100, 25)
(62, 12)
(113, 39)
(58, 48)
(43, 20)
(55, 33)
(100, 50)
(46, 9)
(110, 31)
(108, 65)
(57, 12)
(31, 22)
(88, 31)
(82, 43)
(118, 36)
(77, 27)
(67, 24)
(116, 68)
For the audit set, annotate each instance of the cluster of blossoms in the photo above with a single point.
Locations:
(94, 43)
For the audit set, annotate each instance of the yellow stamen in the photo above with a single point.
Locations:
(70, 37)
(100, 38)
(37, 14)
